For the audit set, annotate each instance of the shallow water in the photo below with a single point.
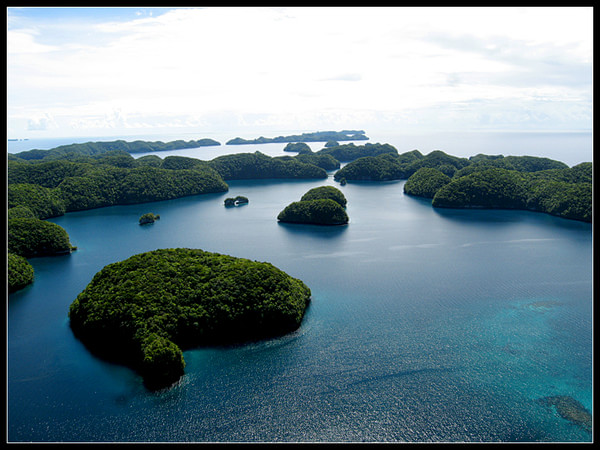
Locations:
(425, 325)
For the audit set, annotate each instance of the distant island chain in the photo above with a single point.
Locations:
(199, 298)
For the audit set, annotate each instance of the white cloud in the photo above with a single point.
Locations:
(41, 123)
(24, 42)
(301, 64)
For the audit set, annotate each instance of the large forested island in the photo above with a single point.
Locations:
(143, 311)
(48, 183)
(318, 136)
(483, 181)
(95, 148)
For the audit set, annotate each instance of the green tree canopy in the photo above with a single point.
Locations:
(425, 182)
(20, 272)
(144, 310)
(242, 166)
(299, 147)
(35, 237)
(330, 192)
(318, 212)
(43, 202)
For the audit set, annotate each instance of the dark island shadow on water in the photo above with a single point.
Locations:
(497, 216)
(317, 231)
(481, 215)
(472, 215)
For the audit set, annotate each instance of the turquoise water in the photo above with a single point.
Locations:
(425, 325)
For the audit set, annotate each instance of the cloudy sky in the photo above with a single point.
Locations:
(125, 71)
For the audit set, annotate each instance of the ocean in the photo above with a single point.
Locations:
(425, 325)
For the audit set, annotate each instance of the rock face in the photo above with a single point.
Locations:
(143, 311)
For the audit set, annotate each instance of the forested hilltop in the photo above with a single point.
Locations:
(29, 237)
(51, 188)
(318, 136)
(48, 183)
(59, 182)
(483, 181)
(53, 182)
(145, 310)
(96, 148)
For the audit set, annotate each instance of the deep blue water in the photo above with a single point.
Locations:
(425, 325)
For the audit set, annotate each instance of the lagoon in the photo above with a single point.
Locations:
(425, 325)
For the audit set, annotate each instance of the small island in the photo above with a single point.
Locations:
(143, 311)
(298, 147)
(149, 218)
(319, 206)
(237, 201)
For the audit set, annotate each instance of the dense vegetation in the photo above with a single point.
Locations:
(324, 205)
(298, 147)
(257, 165)
(52, 188)
(425, 182)
(326, 162)
(49, 188)
(41, 201)
(31, 237)
(372, 168)
(20, 272)
(483, 181)
(149, 218)
(318, 136)
(350, 152)
(143, 311)
(544, 191)
(393, 166)
(95, 148)
(20, 212)
(236, 201)
(316, 212)
(329, 192)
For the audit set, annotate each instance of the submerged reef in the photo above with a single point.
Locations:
(570, 409)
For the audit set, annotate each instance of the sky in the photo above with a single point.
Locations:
(131, 71)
